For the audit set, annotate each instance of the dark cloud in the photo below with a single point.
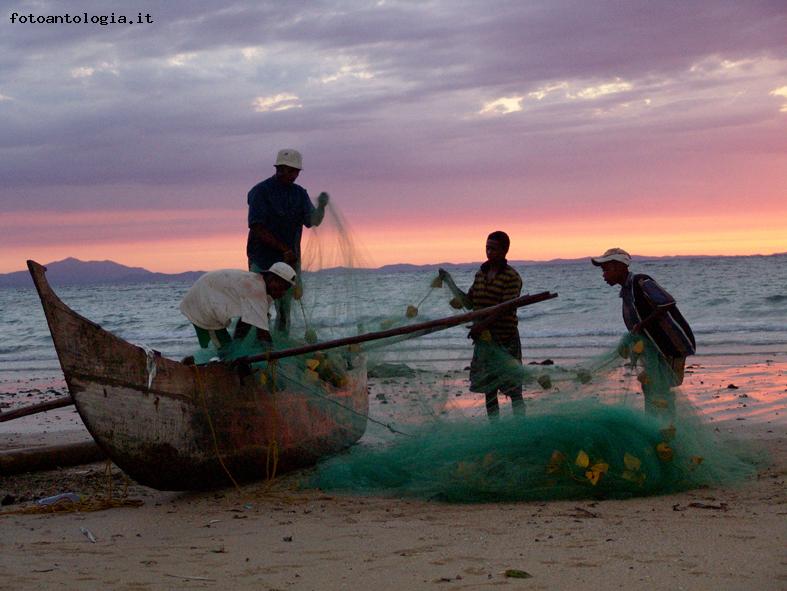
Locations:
(89, 106)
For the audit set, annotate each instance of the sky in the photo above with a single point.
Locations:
(575, 126)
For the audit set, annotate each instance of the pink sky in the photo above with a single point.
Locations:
(661, 129)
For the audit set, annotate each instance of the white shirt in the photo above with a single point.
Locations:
(219, 296)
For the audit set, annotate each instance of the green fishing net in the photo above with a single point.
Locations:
(572, 444)
(583, 449)
(584, 433)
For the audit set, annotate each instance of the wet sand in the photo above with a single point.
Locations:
(275, 536)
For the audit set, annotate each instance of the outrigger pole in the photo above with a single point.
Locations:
(422, 327)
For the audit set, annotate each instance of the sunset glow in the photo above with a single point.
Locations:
(428, 126)
(445, 240)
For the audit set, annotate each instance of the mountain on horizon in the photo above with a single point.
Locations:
(72, 271)
(581, 260)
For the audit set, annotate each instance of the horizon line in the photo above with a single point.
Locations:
(639, 257)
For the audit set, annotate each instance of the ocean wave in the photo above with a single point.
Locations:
(717, 301)
(31, 366)
(20, 350)
(700, 329)
(723, 300)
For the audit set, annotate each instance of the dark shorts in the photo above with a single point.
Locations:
(496, 365)
(659, 396)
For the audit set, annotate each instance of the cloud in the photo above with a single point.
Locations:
(594, 92)
(252, 53)
(278, 102)
(82, 72)
(357, 71)
(181, 59)
(543, 91)
(502, 106)
(782, 92)
(384, 99)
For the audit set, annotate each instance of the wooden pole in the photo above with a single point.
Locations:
(36, 408)
(33, 459)
(424, 327)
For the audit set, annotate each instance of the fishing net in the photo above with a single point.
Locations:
(574, 443)
(584, 432)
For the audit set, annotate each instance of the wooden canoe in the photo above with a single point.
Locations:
(194, 427)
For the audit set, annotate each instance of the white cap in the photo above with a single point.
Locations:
(284, 271)
(613, 254)
(289, 157)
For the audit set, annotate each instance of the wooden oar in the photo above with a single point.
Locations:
(36, 408)
(424, 327)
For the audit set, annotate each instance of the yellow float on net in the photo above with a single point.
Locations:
(638, 347)
(631, 462)
(556, 462)
(596, 471)
(312, 363)
(633, 476)
(664, 451)
(464, 469)
(437, 282)
(412, 311)
(584, 376)
(583, 460)
(632, 471)
(455, 304)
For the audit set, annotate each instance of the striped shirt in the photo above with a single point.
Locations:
(505, 285)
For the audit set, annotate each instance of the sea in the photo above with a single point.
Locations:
(737, 306)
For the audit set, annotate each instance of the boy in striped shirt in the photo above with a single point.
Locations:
(497, 353)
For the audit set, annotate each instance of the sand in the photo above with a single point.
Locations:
(275, 536)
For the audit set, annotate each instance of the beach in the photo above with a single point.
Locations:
(273, 247)
(279, 535)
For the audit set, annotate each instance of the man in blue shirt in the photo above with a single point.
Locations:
(650, 311)
(278, 211)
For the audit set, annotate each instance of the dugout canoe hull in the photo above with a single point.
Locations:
(194, 427)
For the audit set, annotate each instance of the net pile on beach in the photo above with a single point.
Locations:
(568, 446)
(581, 436)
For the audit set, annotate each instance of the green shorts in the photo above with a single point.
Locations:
(496, 366)
(219, 337)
